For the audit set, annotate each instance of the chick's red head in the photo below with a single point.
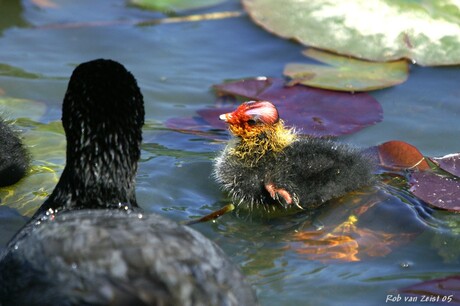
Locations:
(251, 118)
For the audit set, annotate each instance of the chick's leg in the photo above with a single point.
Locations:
(276, 193)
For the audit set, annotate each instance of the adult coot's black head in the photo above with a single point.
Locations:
(102, 115)
(80, 249)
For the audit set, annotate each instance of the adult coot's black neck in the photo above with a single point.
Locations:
(102, 115)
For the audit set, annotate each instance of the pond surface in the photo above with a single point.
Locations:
(401, 241)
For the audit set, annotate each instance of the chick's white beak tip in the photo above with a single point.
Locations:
(223, 117)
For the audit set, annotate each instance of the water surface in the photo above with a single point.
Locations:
(175, 65)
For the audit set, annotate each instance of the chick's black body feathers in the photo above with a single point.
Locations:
(311, 170)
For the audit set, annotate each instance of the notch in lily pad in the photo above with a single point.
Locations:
(345, 73)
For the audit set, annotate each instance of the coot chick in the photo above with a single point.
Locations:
(89, 243)
(270, 165)
(14, 159)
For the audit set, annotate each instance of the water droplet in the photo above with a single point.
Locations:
(405, 264)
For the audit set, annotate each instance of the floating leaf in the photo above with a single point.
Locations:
(443, 290)
(8, 70)
(449, 163)
(312, 111)
(212, 216)
(13, 108)
(427, 32)
(438, 191)
(173, 5)
(399, 155)
(197, 126)
(345, 73)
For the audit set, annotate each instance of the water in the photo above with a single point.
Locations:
(175, 65)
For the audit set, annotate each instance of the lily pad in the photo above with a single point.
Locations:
(399, 155)
(7, 70)
(173, 5)
(312, 111)
(13, 108)
(426, 32)
(438, 191)
(442, 290)
(449, 163)
(197, 126)
(345, 73)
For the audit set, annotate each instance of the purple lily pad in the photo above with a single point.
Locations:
(211, 116)
(441, 290)
(312, 111)
(197, 126)
(449, 163)
(438, 191)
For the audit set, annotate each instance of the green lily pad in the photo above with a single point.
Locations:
(13, 108)
(173, 5)
(426, 32)
(9, 70)
(345, 73)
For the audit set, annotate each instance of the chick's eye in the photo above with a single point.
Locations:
(252, 122)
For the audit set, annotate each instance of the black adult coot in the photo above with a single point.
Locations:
(89, 243)
(270, 165)
(14, 159)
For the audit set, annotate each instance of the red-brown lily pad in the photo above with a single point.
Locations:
(442, 290)
(397, 154)
(439, 191)
(312, 111)
(449, 163)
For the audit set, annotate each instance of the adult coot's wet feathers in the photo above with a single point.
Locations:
(268, 164)
(14, 159)
(89, 244)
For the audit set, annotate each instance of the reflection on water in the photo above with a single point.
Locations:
(354, 251)
(371, 240)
